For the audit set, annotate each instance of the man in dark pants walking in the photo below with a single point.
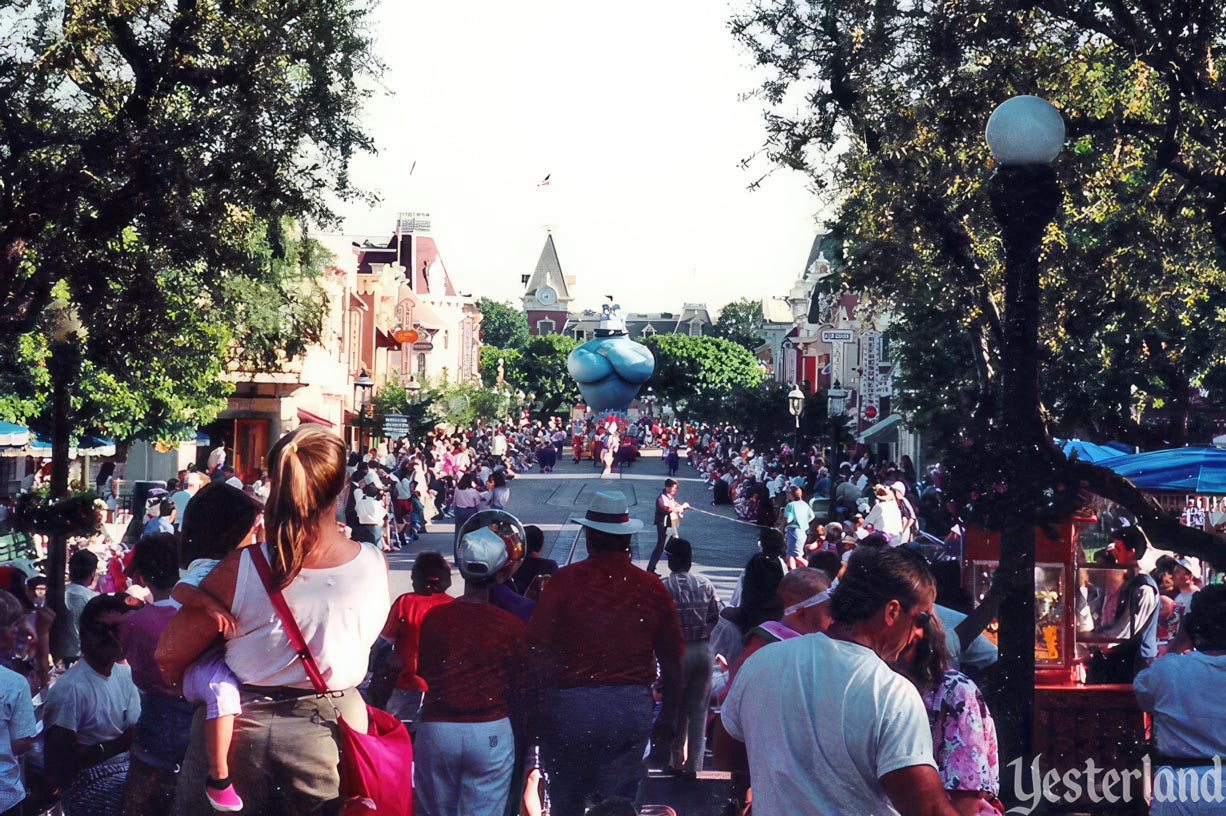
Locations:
(668, 516)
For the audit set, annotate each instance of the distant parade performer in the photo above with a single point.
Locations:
(667, 519)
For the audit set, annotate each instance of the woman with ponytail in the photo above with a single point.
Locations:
(284, 750)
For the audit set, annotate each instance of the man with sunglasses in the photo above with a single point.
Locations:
(829, 726)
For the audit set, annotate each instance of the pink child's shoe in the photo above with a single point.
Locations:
(224, 799)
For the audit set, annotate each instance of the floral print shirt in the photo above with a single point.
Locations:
(963, 735)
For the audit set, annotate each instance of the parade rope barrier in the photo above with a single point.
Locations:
(693, 509)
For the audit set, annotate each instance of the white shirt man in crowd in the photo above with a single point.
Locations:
(498, 445)
(82, 570)
(92, 709)
(829, 726)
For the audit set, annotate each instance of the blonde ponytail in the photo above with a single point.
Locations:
(306, 473)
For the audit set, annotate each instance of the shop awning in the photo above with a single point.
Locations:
(884, 431)
(306, 416)
(384, 339)
(12, 435)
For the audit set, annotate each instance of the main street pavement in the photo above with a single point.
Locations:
(722, 544)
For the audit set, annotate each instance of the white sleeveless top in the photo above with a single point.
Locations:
(339, 610)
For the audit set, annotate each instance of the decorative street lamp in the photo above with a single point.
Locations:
(796, 405)
(836, 401)
(362, 388)
(1025, 135)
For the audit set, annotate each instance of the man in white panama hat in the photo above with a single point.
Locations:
(599, 628)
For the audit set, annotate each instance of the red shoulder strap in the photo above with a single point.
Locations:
(296, 640)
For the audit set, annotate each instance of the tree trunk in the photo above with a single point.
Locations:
(63, 367)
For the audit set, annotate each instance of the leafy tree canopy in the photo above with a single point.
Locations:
(502, 325)
(697, 372)
(741, 322)
(166, 382)
(150, 156)
(538, 368)
(884, 107)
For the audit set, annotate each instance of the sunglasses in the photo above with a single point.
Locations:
(922, 620)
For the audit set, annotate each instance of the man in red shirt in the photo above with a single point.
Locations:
(592, 644)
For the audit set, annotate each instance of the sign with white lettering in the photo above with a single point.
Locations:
(395, 426)
(870, 374)
(837, 335)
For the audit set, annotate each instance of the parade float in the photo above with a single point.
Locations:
(611, 367)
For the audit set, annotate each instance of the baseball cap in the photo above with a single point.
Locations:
(1192, 565)
(480, 553)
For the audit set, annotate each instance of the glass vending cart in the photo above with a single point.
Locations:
(1078, 614)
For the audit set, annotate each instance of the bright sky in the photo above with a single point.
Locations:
(633, 111)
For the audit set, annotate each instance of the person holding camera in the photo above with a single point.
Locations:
(1185, 693)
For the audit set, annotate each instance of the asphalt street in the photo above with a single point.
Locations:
(721, 543)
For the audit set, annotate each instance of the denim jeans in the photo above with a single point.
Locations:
(463, 768)
(593, 740)
(161, 734)
(690, 741)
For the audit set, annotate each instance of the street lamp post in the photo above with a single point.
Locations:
(414, 389)
(835, 400)
(796, 405)
(362, 388)
(1025, 135)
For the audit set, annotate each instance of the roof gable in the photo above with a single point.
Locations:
(549, 272)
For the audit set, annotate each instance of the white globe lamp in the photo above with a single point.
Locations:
(1025, 130)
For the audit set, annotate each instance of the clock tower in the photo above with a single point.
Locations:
(547, 296)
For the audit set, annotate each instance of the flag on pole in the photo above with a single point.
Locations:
(545, 181)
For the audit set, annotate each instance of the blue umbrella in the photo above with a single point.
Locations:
(96, 446)
(1089, 451)
(12, 435)
(1177, 470)
(86, 446)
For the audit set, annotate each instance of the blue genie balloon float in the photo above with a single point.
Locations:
(611, 367)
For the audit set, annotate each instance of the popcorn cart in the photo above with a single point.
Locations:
(1076, 613)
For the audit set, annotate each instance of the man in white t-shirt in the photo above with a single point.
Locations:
(92, 709)
(830, 728)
